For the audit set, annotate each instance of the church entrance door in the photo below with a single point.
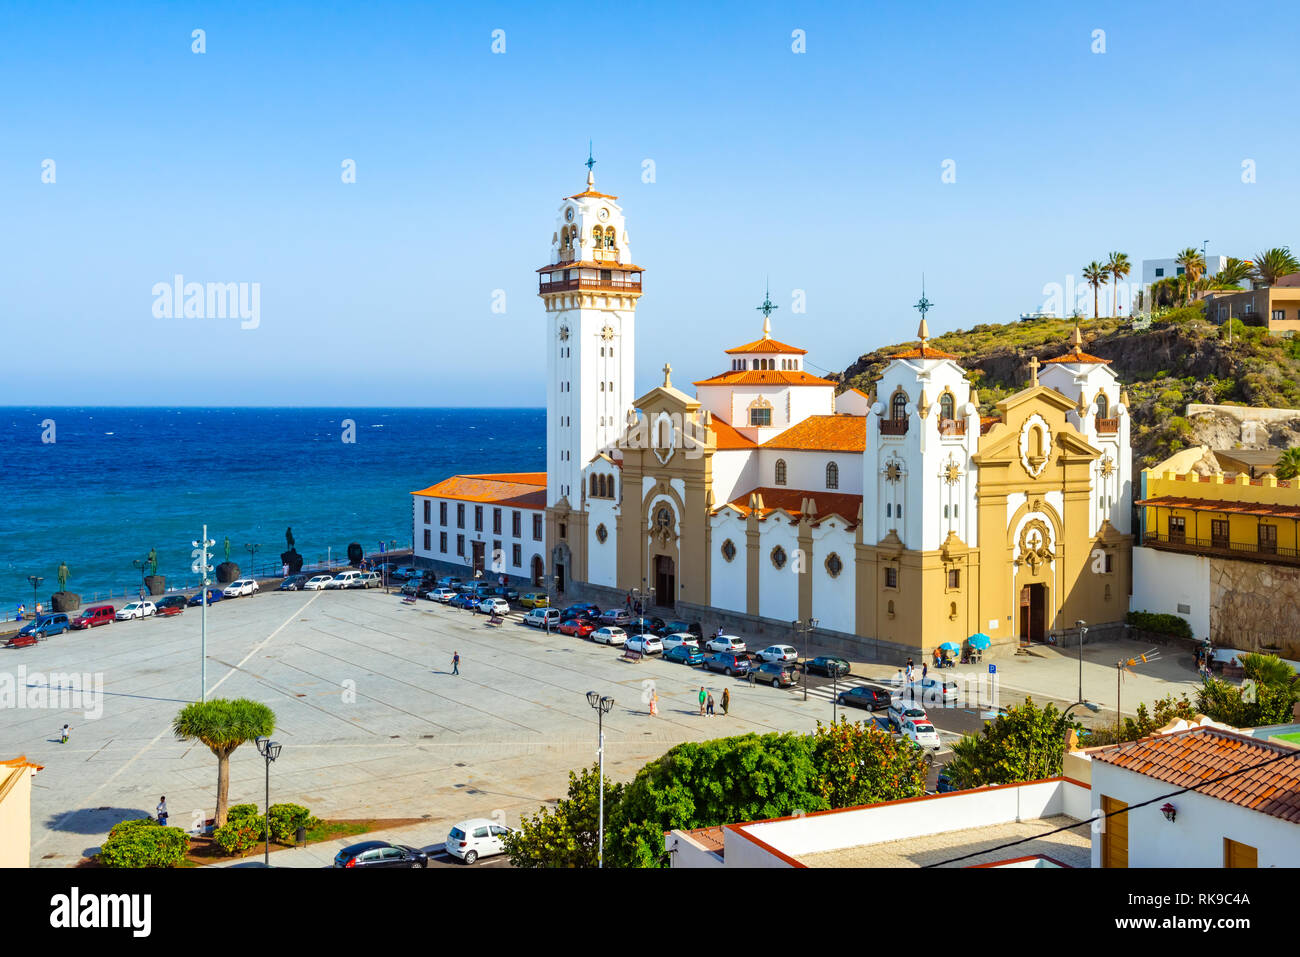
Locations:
(1033, 613)
(539, 570)
(478, 552)
(665, 581)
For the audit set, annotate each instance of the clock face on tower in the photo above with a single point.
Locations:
(603, 214)
(568, 214)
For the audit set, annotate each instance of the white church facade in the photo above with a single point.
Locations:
(902, 516)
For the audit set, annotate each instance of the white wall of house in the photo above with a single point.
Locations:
(1195, 837)
(1174, 584)
(807, 470)
(778, 588)
(528, 546)
(833, 597)
(735, 472)
(727, 578)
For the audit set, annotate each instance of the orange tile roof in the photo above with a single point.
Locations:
(988, 421)
(728, 438)
(589, 264)
(591, 192)
(517, 489)
(1223, 505)
(710, 837)
(790, 500)
(1189, 758)
(824, 433)
(21, 762)
(924, 352)
(1077, 357)
(766, 345)
(764, 377)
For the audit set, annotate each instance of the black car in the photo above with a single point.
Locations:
(727, 662)
(827, 665)
(873, 699)
(646, 626)
(381, 854)
(419, 588)
(681, 627)
(292, 583)
(178, 602)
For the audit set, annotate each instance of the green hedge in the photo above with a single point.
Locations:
(144, 843)
(243, 830)
(1160, 624)
(287, 818)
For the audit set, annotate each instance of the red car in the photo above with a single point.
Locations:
(577, 628)
(20, 641)
(95, 616)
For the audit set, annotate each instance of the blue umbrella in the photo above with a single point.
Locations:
(949, 646)
(979, 640)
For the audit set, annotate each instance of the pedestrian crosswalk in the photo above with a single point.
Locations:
(819, 687)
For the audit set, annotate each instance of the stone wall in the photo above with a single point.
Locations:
(1255, 607)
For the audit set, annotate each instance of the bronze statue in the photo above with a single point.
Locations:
(153, 561)
(63, 576)
(288, 537)
(227, 548)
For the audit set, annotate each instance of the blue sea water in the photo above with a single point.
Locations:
(116, 482)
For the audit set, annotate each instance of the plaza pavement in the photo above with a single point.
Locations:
(374, 725)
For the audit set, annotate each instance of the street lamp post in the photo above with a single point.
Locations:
(804, 628)
(35, 581)
(200, 566)
(602, 704)
(1080, 703)
(140, 565)
(1083, 630)
(270, 750)
(252, 557)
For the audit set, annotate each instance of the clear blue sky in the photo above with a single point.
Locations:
(820, 170)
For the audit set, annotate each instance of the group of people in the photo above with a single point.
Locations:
(706, 702)
(633, 605)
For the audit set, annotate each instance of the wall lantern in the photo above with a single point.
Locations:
(1169, 811)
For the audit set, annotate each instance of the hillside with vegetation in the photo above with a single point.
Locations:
(1176, 358)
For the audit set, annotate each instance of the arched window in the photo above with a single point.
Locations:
(832, 475)
(898, 406)
(780, 471)
(1103, 406)
(946, 406)
(595, 485)
(1035, 443)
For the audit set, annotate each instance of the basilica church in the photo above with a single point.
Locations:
(902, 516)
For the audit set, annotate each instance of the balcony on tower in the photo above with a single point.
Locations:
(596, 276)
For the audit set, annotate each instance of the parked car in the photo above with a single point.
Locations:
(647, 644)
(921, 733)
(609, 635)
(645, 626)
(470, 840)
(292, 583)
(381, 854)
(727, 643)
(778, 653)
(171, 605)
(346, 579)
(903, 709)
(450, 581)
(577, 627)
(584, 612)
(405, 571)
(239, 588)
(418, 588)
(934, 692)
(534, 599)
(94, 616)
(614, 616)
(462, 600)
(494, 606)
(136, 609)
(677, 626)
(506, 592)
(214, 596)
(442, 593)
(317, 582)
(684, 655)
(44, 626)
(542, 617)
(674, 639)
(873, 699)
(728, 663)
(775, 673)
(372, 580)
(826, 664)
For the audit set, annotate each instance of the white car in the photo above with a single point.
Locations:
(470, 840)
(371, 580)
(538, 617)
(317, 582)
(609, 635)
(902, 709)
(779, 653)
(680, 638)
(725, 643)
(934, 692)
(646, 644)
(239, 588)
(922, 733)
(443, 595)
(349, 579)
(136, 609)
(494, 606)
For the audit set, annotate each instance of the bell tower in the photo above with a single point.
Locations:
(589, 289)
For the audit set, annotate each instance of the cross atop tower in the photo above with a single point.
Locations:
(590, 161)
(923, 305)
(766, 309)
(668, 370)
(1033, 370)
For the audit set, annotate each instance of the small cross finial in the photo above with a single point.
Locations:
(766, 309)
(1033, 370)
(923, 305)
(668, 370)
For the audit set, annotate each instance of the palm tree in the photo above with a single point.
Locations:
(1193, 264)
(1118, 266)
(1096, 275)
(1272, 264)
(1268, 670)
(1232, 274)
(223, 724)
(1288, 463)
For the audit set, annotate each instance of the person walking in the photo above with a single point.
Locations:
(455, 662)
(925, 669)
(703, 695)
(63, 734)
(709, 712)
(628, 601)
(654, 704)
(726, 701)
(161, 810)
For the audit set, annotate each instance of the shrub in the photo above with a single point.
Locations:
(285, 819)
(1160, 623)
(243, 830)
(143, 843)
(1171, 397)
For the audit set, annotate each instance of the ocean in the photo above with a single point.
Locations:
(97, 488)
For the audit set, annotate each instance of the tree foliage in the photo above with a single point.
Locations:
(1027, 743)
(223, 724)
(1268, 697)
(566, 836)
(861, 764)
